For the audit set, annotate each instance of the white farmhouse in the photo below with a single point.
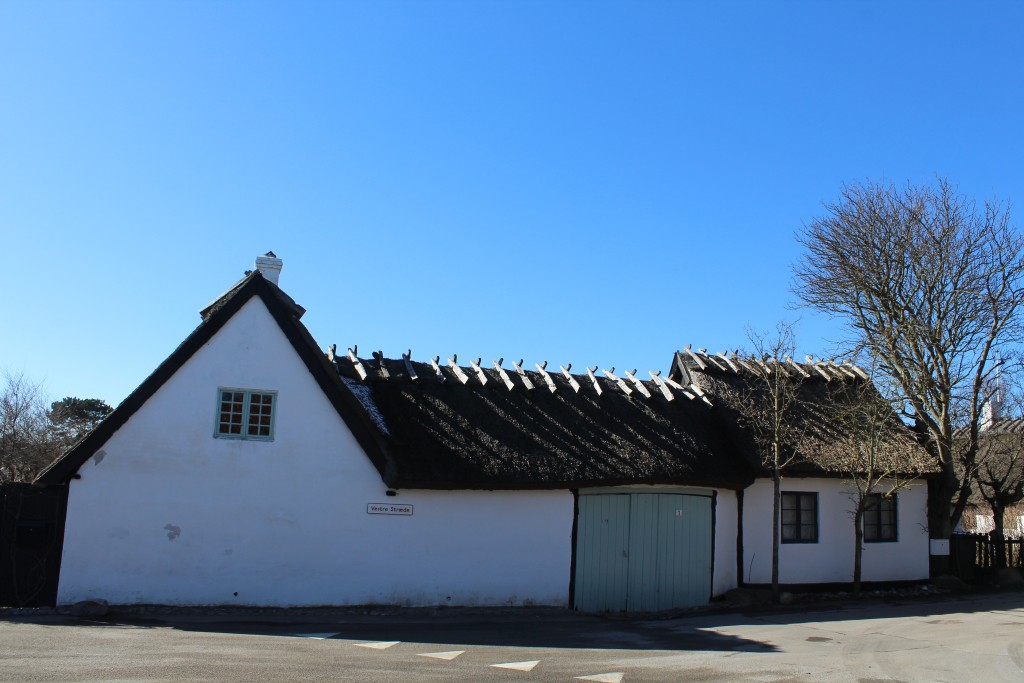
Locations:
(252, 468)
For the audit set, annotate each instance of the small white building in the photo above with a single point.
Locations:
(251, 468)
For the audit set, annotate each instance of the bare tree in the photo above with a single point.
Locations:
(999, 474)
(764, 401)
(873, 450)
(932, 285)
(26, 440)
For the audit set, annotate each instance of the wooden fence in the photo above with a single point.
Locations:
(976, 556)
(31, 539)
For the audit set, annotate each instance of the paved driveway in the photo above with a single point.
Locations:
(955, 639)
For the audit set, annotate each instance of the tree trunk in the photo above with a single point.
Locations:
(940, 497)
(776, 530)
(997, 535)
(858, 549)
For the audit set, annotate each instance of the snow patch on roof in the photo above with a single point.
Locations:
(362, 394)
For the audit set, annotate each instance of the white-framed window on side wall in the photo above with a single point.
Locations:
(245, 414)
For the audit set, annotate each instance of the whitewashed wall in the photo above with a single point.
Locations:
(166, 513)
(726, 517)
(830, 560)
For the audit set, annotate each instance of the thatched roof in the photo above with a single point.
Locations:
(826, 415)
(429, 433)
(475, 430)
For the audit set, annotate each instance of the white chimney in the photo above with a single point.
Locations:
(270, 266)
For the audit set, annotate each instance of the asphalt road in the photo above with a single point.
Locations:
(976, 639)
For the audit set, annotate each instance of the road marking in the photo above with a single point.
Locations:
(315, 636)
(379, 646)
(518, 666)
(603, 678)
(443, 655)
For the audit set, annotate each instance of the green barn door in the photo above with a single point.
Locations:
(602, 555)
(643, 552)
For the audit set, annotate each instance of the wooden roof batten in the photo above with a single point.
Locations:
(665, 391)
(453, 363)
(356, 363)
(434, 362)
(610, 374)
(638, 384)
(379, 357)
(381, 368)
(503, 375)
(572, 380)
(522, 375)
(828, 370)
(479, 371)
(542, 369)
(409, 369)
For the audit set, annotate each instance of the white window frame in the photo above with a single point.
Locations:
(247, 397)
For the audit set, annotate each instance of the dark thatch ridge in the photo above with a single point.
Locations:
(824, 438)
(451, 434)
(448, 435)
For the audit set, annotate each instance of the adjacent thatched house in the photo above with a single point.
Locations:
(995, 506)
(252, 468)
(822, 448)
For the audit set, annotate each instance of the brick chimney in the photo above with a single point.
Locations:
(270, 266)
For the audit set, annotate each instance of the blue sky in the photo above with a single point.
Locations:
(587, 182)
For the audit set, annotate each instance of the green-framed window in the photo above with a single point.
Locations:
(245, 414)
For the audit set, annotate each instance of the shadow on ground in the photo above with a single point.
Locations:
(540, 628)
